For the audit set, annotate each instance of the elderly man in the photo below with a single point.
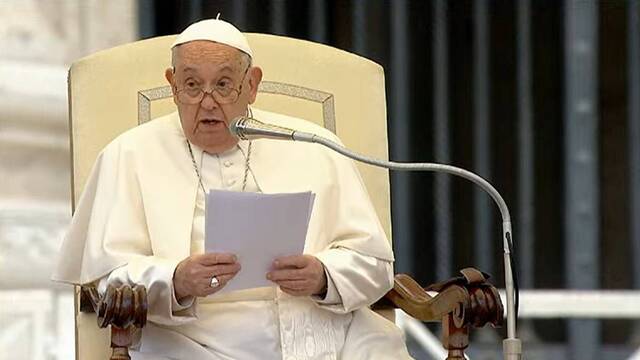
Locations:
(141, 220)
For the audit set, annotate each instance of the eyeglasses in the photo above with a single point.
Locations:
(222, 93)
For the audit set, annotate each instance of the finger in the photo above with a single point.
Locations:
(206, 272)
(209, 259)
(295, 292)
(278, 275)
(210, 290)
(224, 269)
(222, 281)
(294, 284)
(296, 261)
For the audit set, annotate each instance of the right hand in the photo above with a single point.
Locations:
(192, 276)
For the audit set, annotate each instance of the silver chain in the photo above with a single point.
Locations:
(246, 166)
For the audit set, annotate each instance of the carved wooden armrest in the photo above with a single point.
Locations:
(124, 308)
(461, 303)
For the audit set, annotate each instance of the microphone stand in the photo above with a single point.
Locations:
(248, 128)
(511, 346)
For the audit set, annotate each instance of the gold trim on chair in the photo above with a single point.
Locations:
(326, 99)
(145, 97)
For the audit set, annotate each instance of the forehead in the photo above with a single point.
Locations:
(208, 53)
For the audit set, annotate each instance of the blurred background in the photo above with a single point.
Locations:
(542, 98)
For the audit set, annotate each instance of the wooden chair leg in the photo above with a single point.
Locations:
(120, 353)
(121, 339)
(455, 339)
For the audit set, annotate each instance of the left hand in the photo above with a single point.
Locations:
(299, 275)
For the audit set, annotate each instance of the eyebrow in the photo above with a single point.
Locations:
(225, 67)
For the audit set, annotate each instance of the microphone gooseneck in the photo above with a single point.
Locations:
(247, 128)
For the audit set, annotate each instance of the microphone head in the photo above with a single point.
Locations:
(248, 128)
(236, 125)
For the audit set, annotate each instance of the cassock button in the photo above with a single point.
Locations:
(231, 182)
(227, 163)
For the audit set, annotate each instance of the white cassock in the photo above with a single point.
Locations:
(142, 203)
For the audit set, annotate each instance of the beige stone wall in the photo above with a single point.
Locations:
(40, 39)
(60, 31)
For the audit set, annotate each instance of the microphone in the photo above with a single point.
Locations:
(248, 128)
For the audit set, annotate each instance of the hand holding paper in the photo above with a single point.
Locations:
(257, 228)
(192, 276)
(301, 275)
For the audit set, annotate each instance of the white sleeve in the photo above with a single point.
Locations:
(353, 280)
(331, 297)
(156, 274)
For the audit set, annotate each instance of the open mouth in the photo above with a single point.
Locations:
(210, 121)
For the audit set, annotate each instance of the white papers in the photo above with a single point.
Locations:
(257, 228)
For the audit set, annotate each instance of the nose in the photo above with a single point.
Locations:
(208, 102)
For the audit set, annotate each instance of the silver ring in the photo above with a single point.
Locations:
(214, 282)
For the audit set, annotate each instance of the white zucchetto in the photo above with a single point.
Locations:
(215, 30)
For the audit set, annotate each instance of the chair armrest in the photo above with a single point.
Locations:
(124, 308)
(461, 303)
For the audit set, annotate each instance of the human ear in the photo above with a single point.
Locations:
(170, 75)
(255, 76)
